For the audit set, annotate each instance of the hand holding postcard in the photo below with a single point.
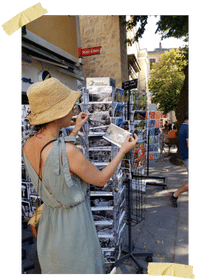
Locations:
(116, 135)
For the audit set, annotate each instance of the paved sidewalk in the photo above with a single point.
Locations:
(164, 232)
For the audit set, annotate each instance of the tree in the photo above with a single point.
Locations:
(167, 78)
(173, 26)
(168, 26)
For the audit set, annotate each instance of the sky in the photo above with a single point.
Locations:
(150, 40)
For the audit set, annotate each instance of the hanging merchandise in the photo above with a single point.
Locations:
(27, 129)
(155, 137)
(153, 144)
(29, 195)
(154, 133)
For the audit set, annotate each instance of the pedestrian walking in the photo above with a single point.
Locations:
(67, 241)
(183, 146)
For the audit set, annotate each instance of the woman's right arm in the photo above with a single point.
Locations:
(83, 168)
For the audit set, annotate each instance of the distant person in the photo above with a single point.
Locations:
(169, 126)
(166, 127)
(183, 146)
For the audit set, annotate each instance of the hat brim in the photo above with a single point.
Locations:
(57, 111)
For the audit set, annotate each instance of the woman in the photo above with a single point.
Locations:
(67, 241)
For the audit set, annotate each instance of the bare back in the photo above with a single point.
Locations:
(32, 149)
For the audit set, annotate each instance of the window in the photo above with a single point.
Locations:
(152, 61)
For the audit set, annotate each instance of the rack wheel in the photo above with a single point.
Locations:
(149, 259)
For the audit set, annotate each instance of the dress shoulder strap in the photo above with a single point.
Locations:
(60, 160)
(70, 138)
(47, 145)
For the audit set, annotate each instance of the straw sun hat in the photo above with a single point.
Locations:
(50, 100)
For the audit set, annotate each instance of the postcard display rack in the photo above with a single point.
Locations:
(134, 168)
(29, 195)
(102, 105)
(138, 164)
(136, 161)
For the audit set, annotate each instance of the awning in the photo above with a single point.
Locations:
(133, 64)
(39, 49)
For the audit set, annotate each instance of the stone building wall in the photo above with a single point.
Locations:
(107, 32)
(143, 62)
(123, 48)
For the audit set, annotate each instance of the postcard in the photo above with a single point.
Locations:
(116, 135)
(152, 115)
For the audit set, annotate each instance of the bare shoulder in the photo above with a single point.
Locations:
(71, 148)
(74, 156)
(28, 145)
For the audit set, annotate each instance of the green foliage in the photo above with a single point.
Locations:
(173, 26)
(133, 22)
(167, 78)
(169, 26)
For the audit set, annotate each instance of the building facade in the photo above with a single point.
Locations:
(50, 49)
(109, 33)
(133, 55)
(138, 62)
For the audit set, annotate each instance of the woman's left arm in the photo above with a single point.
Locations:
(80, 121)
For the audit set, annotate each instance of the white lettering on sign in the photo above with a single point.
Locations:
(95, 83)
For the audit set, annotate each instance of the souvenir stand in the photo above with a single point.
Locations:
(104, 106)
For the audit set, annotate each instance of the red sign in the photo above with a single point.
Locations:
(89, 51)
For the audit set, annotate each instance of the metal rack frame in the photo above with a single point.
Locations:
(130, 253)
(134, 218)
(110, 216)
